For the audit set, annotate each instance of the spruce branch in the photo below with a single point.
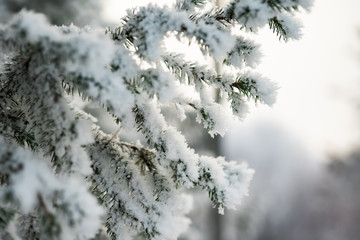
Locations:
(277, 27)
(139, 174)
(46, 140)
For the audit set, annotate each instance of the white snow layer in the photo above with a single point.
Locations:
(34, 184)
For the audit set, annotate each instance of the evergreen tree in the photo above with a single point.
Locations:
(63, 178)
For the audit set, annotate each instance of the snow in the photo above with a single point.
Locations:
(35, 178)
(90, 54)
(246, 53)
(31, 179)
(157, 22)
(84, 208)
(259, 13)
(141, 186)
(264, 88)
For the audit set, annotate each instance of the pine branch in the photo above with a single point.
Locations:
(277, 27)
(189, 5)
(6, 215)
(133, 169)
(53, 135)
(244, 52)
(58, 203)
(146, 43)
(28, 225)
(187, 168)
(123, 71)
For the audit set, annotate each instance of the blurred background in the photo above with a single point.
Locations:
(305, 149)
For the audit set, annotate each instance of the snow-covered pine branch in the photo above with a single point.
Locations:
(54, 159)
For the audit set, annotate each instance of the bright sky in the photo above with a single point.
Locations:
(318, 75)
